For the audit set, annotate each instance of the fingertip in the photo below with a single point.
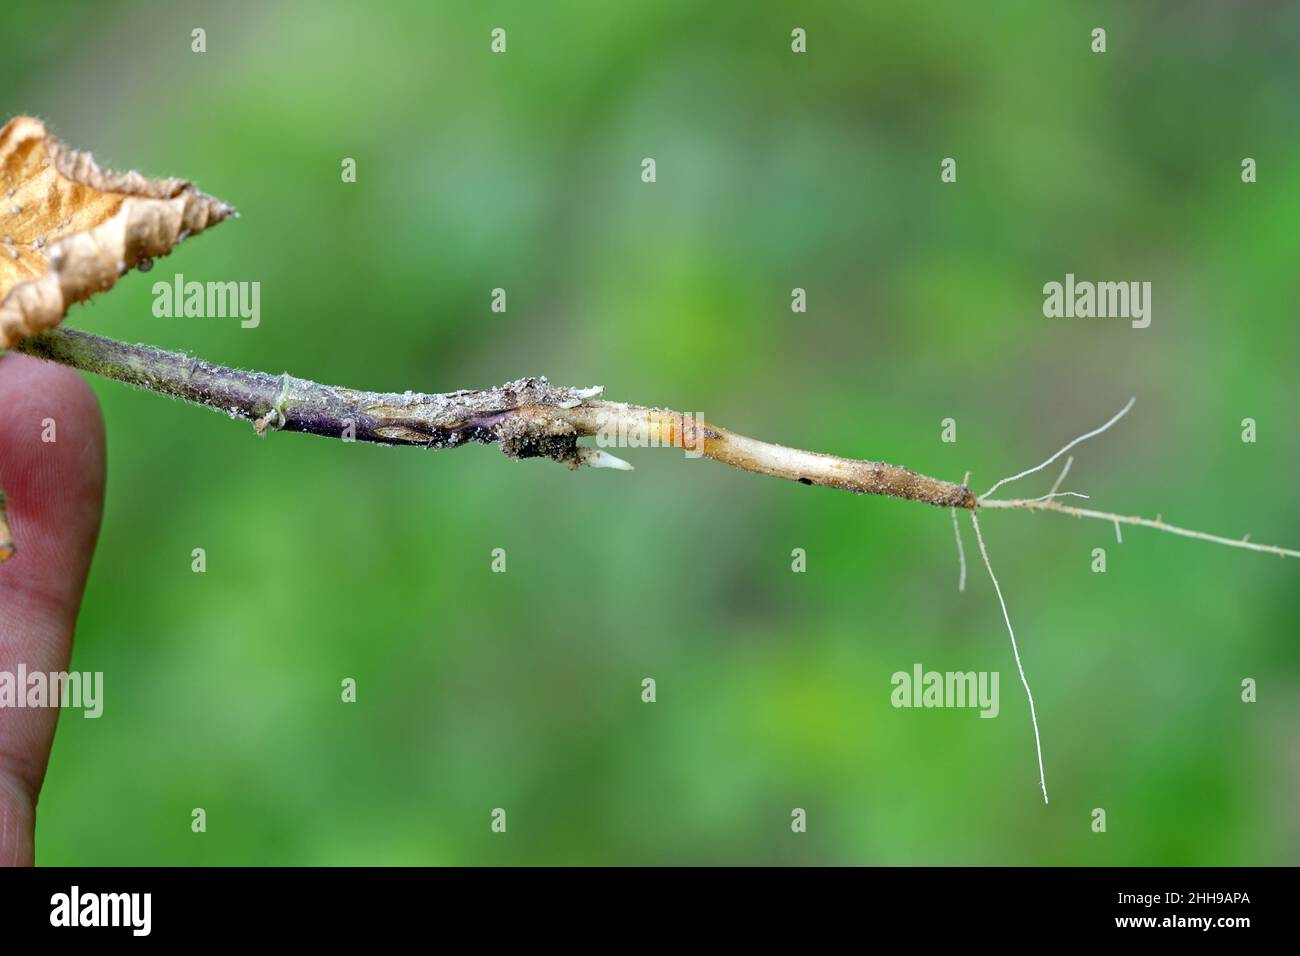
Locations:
(52, 466)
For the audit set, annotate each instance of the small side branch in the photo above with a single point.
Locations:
(1061, 477)
(1082, 438)
(961, 552)
(1158, 524)
(1048, 502)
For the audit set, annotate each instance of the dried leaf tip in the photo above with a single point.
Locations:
(69, 228)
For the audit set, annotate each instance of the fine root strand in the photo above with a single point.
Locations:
(1033, 713)
(1082, 438)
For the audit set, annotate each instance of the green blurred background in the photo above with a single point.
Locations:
(775, 170)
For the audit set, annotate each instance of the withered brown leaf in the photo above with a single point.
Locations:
(69, 229)
(6, 538)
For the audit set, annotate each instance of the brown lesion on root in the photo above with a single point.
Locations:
(534, 434)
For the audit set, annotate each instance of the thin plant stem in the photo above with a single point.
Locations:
(528, 418)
